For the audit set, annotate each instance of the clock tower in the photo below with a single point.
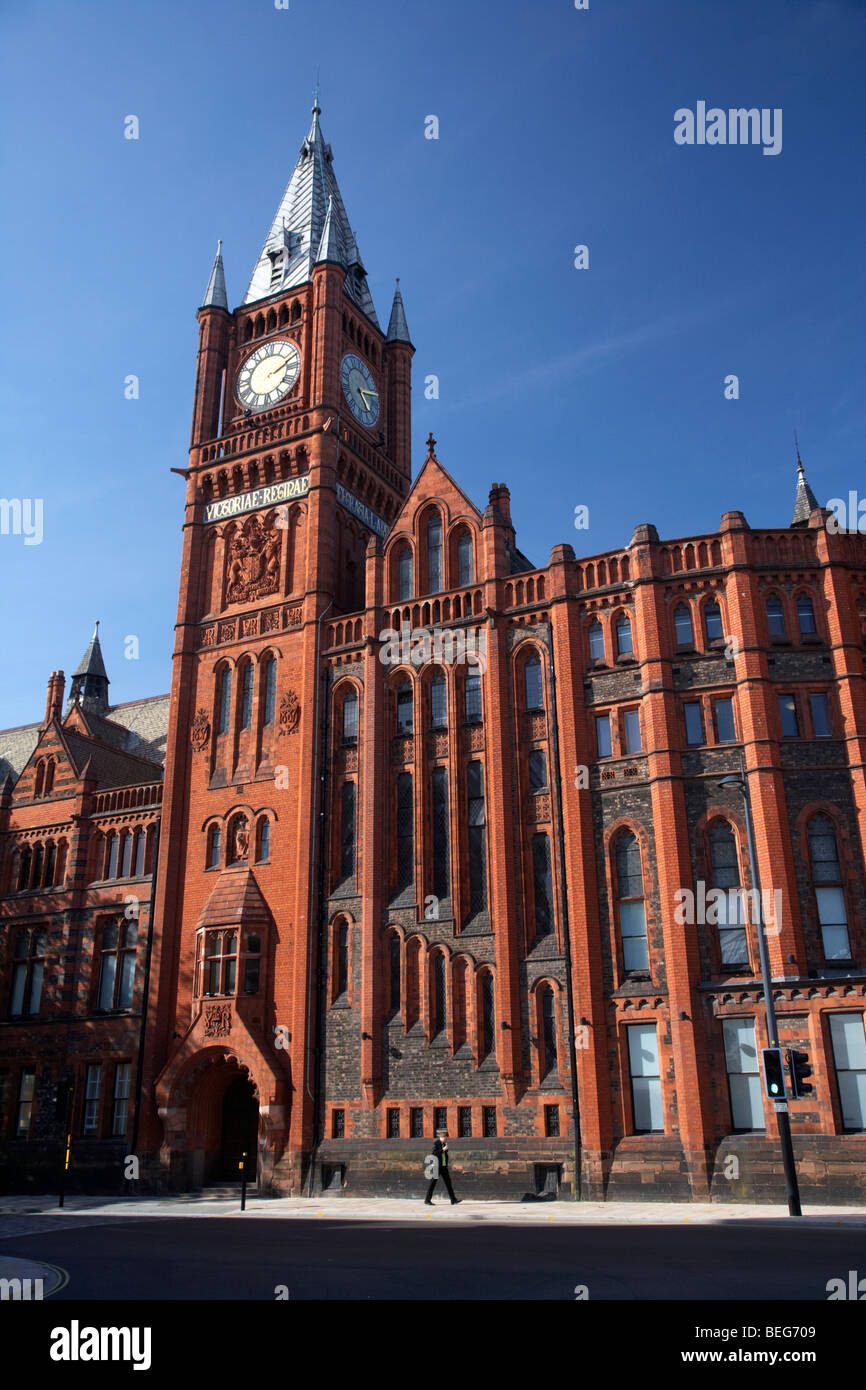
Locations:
(299, 458)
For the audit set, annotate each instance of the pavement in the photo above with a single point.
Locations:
(391, 1209)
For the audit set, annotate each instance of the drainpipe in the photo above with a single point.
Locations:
(145, 987)
(566, 935)
(315, 897)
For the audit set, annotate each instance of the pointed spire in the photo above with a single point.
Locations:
(806, 501)
(329, 247)
(398, 329)
(90, 678)
(215, 294)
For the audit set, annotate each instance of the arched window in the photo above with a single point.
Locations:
(138, 855)
(434, 554)
(775, 616)
(225, 701)
(542, 885)
(725, 870)
(126, 856)
(623, 635)
(488, 1016)
(39, 784)
(214, 842)
(270, 701)
(596, 641)
(438, 702)
(341, 960)
(263, 840)
(347, 831)
(532, 684)
(472, 697)
(49, 776)
(713, 622)
(537, 770)
(113, 849)
(394, 971)
(477, 844)
(37, 866)
(24, 864)
(683, 626)
(50, 854)
(350, 717)
(405, 832)
(632, 914)
(405, 717)
(827, 886)
(806, 615)
(465, 560)
(441, 843)
(247, 695)
(405, 575)
(438, 995)
(547, 1021)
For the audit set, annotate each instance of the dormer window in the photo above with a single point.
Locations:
(278, 265)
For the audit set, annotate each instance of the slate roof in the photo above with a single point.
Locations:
(110, 767)
(236, 898)
(215, 294)
(137, 729)
(805, 502)
(16, 750)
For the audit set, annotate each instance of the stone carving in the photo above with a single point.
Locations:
(217, 1020)
(290, 713)
(271, 620)
(241, 846)
(293, 617)
(536, 725)
(473, 738)
(253, 562)
(208, 637)
(200, 731)
(538, 810)
(402, 749)
(227, 632)
(249, 626)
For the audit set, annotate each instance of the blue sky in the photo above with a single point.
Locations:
(602, 387)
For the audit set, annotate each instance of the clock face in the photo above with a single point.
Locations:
(268, 374)
(360, 390)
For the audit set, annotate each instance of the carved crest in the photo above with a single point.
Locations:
(290, 713)
(252, 562)
(217, 1020)
(200, 731)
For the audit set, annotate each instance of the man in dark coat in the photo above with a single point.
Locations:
(440, 1153)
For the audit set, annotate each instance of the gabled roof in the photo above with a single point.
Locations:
(236, 899)
(432, 469)
(109, 767)
(294, 243)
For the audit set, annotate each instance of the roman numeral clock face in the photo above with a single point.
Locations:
(268, 374)
(359, 388)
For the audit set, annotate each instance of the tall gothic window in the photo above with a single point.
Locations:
(225, 701)
(439, 702)
(394, 970)
(405, 836)
(547, 1011)
(623, 635)
(439, 798)
(434, 554)
(775, 616)
(632, 915)
(347, 831)
(713, 622)
(488, 1016)
(465, 562)
(532, 684)
(596, 641)
(683, 626)
(341, 960)
(350, 718)
(214, 841)
(472, 695)
(405, 576)
(270, 691)
(543, 887)
(725, 869)
(476, 837)
(247, 695)
(806, 615)
(438, 997)
(405, 717)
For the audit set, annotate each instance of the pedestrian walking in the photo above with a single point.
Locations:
(439, 1156)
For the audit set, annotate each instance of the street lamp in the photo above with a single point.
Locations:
(780, 1106)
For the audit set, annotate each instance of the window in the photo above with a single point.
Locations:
(393, 1124)
(537, 771)
(849, 1057)
(247, 695)
(488, 1016)
(438, 1000)
(542, 885)
(341, 959)
(532, 684)
(694, 722)
(138, 854)
(90, 1125)
(473, 697)
(252, 963)
(263, 840)
(405, 832)
(551, 1121)
(788, 716)
(270, 691)
(725, 869)
(820, 715)
(476, 837)
(632, 915)
(596, 641)
(49, 776)
(438, 703)
(646, 1086)
(394, 970)
(488, 1121)
(440, 1117)
(220, 962)
(350, 718)
(602, 735)
(126, 856)
(404, 573)
(827, 883)
(214, 841)
(547, 1019)
(465, 560)
(416, 1122)
(631, 723)
(27, 971)
(338, 1124)
(117, 965)
(434, 554)
(775, 616)
(744, 1082)
(113, 848)
(25, 1102)
(120, 1099)
(806, 615)
(683, 626)
(405, 720)
(723, 711)
(623, 636)
(441, 843)
(24, 869)
(50, 857)
(225, 702)
(347, 831)
(713, 622)
(464, 1121)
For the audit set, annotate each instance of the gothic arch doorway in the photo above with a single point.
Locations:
(221, 1119)
(240, 1129)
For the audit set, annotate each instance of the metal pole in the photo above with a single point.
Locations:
(243, 1168)
(781, 1107)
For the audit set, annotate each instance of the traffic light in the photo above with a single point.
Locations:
(798, 1066)
(774, 1073)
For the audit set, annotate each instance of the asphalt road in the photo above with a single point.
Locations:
(248, 1257)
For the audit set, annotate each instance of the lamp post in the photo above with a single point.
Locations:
(781, 1107)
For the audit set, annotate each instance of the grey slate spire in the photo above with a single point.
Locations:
(293, 244)
(90, 678)
(215, 294)
(805, 502)
(398, 329)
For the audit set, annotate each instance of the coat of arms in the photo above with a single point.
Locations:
(199, 731)
(290, 713)
(253, 562)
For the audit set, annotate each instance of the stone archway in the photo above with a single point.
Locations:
(220, 1103)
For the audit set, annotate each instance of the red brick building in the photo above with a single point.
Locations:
(443, 836)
